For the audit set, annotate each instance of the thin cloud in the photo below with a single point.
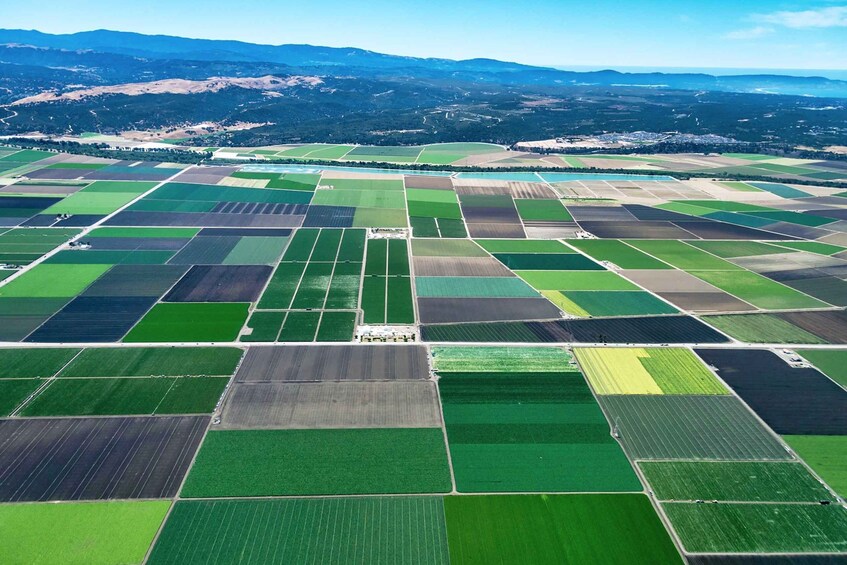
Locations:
(834, 16)
(749, 33)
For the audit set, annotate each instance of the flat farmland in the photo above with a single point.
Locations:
(550, 529)
(387, 287)
(647, 371)
(758, 290)
(196, 382)
(312, 462)
(690, 427)
(84, 533)
(530, 432)
(97, 458)
(127, 396)
(346, 404)
(826, 455)
(618, 253)
(333, 363)
(169, 322)
(790, 400)
(761, 328)
(379, 530)
(14, 391)
(733, 481)
(23, 363)
(154, 362)
(501, 359)
(759, 528)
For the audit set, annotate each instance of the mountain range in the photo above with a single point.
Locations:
(164, 47)
(111, 82)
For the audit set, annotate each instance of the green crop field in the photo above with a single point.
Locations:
(758, 290)
(116, 396)
(53, 281)
(101, 197)
(759, 528)
(826, 455)
(548, 262)
(761, 328)
(523, 246)
(752, 481)
(616, 303)
(154, 362)
(15, 391)
(80, 533)
(617, 252)
(812, 247)
(24, 363)
(301, 462)
(542, 210)
(530, 432)
(732, 249)
(378, 530)
(190, 322)
(576, 280)
(504, 359)
(226, 332)
(682, 255)
(551, 530)
(716, 427)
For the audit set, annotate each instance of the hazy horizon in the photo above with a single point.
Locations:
(801, 35)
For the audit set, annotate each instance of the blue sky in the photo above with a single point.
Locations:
(622, 33)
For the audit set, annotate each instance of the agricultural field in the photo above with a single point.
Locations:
(647, 371)
(96, 533)
(550, 529)
(520, 431)
(266, 363)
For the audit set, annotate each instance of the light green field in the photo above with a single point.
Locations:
(682, 256)
(826, 455)
(758, 290)
(731, 249)
(80, 533)
(647, 371)
(100, 198)
(575, 280)
(443, 248)
(360, 198)
(812, 247)
(542, 210)
(617, 252)
(501, 359)
(53, 281)
(380, 218)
